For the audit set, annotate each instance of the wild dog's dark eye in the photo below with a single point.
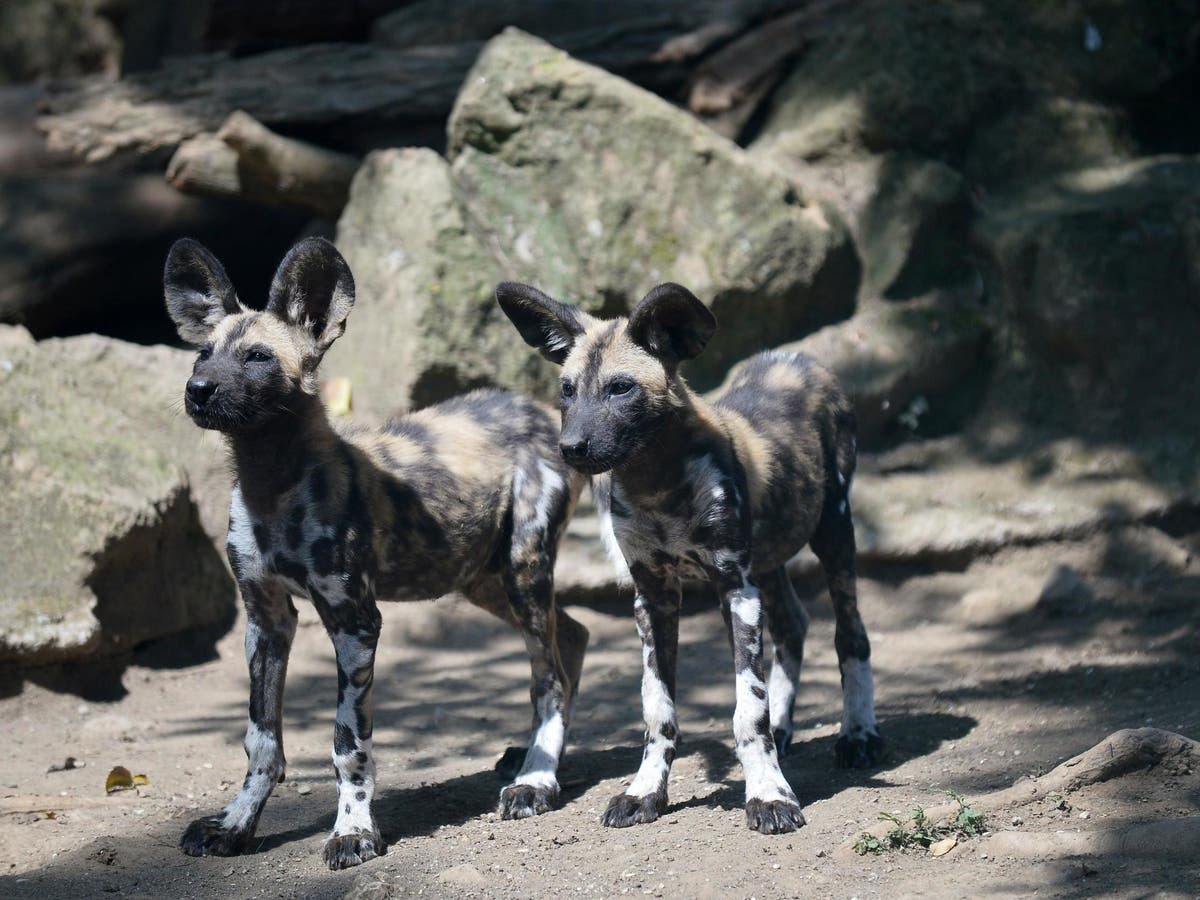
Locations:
(205, 352)
(258, 355)
(619, 387)
(568, 390)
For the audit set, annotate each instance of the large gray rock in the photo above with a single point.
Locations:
(568, 177)
(603, 190)
(425, 323)
(103, 540)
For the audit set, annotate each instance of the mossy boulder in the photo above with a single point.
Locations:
(101, 528)
(598, 190)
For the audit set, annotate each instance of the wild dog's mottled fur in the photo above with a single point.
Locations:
(725, 489)
(471, 496)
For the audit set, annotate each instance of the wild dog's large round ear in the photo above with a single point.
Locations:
(313, 289)
(198, 292)
(671, 323)
(544, 323)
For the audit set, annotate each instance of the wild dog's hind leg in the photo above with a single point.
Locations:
(788, 622)
(270, 627)
(353, 624)
(656, 612)
(540, 503)
(572, 641)
(859, 745)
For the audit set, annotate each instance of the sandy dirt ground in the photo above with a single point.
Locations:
(979, 684)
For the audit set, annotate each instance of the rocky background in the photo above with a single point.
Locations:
(983, 216)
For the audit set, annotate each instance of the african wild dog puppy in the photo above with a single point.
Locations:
(727, 489)
(470, 496)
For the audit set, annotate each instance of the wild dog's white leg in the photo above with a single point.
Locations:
(771, 805)
(860, 744)
(353, 625)
(270, 627)
(788, 621)
(541, 500)
(656, 612)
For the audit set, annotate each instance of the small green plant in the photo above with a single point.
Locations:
(970, 820)
(919, 831)
(868, 843)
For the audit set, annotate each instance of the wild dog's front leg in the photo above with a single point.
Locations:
(353, 626)
(771, 805)
(270, 627)
(656, 612)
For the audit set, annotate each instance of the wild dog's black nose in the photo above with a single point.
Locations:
(574, 451)
(200, 389)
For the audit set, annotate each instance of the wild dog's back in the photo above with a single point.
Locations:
(793, 429)
(445, 484)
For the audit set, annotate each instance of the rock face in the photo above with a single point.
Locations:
(889, 354)
(101, 530)
(910, 216)
(927, 76)
(1098, 273)
(573, 179)
(55, 39)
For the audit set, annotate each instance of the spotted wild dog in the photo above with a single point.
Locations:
(471, 495)
(725, 488)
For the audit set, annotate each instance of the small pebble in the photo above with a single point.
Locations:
(304, 789)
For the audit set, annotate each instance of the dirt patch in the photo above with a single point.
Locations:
(974, 694)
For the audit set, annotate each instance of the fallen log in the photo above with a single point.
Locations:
(320, 84)
(246, 159)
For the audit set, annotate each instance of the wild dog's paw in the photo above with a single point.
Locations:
(508, 766)
(773, 816)
(625, 810)
(207, 837)
(861, 751)
(521, 801)
(783, 741)
(342, 851)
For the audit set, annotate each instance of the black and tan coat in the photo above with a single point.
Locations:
(724, 489)
(471, 496)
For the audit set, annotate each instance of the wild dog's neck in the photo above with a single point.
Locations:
(272, 459)
(660, 462)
